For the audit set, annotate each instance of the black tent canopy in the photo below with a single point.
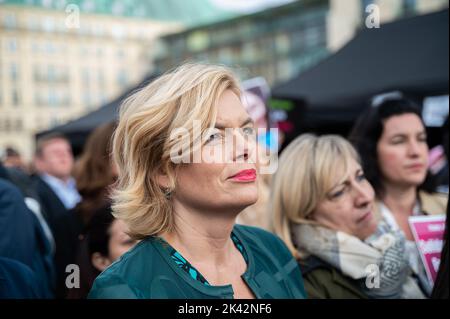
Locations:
(78, 130)
(408, 55)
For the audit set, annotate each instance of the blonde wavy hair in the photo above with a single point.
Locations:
(307, 171)
(142, 142)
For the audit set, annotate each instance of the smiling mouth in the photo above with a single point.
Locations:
(247, 175)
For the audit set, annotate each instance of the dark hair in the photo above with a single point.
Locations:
(10, 152)
(367, 132)
(97, 233)
(93, 173)
(43, 140)
(95, 240)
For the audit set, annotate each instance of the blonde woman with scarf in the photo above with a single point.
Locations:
(323, 209)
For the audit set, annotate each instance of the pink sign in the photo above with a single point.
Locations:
(428, 233)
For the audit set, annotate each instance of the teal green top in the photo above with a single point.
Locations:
(191, 270)
(149, 271)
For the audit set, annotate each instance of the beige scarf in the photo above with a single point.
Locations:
(383, 254)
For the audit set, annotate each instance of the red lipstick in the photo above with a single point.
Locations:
(246, 175)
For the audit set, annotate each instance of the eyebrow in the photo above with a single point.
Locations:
(221, 126)
(406, 135)
(346, 181)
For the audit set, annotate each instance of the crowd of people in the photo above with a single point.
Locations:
(136, 223)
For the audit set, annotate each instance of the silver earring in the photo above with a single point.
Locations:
(167, 192)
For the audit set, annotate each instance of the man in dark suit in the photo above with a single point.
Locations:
(58, 195)
(53, 181)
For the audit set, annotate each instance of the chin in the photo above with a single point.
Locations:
(417, 181)
(246, 198)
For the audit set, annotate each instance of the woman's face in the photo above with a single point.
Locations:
(119, 241)
(224, 180)
(403, 151)
(348, 206)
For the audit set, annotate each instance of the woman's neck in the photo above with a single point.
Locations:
(400, 199)
(203, 238)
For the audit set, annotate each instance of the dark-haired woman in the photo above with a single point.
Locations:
(392, 141)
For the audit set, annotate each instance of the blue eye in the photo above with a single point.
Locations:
(337, 194)
(213, 137)
(361, 177)
(248, 130)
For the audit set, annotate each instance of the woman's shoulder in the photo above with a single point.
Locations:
(124, 277)
(263, 241)
(323, 281)
(252, 233)
(433, 203)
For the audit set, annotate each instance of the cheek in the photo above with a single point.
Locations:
(390, 158)
(201, 178)
(334, 214)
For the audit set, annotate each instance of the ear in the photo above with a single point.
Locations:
(99, 261)
(163, 180)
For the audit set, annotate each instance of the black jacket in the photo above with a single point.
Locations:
(22, 238)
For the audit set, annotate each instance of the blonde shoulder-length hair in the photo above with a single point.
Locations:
(142, 142)
(307, 171)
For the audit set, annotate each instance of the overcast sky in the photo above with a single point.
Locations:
(248, 6)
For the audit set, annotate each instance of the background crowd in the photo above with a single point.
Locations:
(337, 203)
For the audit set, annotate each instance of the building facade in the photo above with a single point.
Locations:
(61, 59)
(275, 43)
(281, 42)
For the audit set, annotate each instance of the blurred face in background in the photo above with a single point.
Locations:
(348, 206)
(119, 243)
(56, 159)
(403, 151)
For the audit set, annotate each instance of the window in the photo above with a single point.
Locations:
(50, 48)
(14, 71)
(101, 78)
(33, 23)
(409, 7)
(15, 97)
(35, 47)
(87, 99)
(85, 76)
(37, 99)
(282, 43)
(12, 45)
(364, 4)
(52, 98)
(9, 21)
(51, 75)
(120, 53)
(122, 78)
(312, 37)
(18, 125)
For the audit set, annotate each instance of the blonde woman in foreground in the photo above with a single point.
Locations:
(323, 210)
(184, 210)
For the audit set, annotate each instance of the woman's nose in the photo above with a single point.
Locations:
(242, 146)
(414, 148)
(363, 195)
